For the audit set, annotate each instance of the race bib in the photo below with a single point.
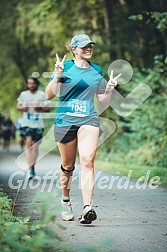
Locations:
(78, 108)
(33, 116)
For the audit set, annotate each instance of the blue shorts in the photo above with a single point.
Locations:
(21, 132)
(35, 133)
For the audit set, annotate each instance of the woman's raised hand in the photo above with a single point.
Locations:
(112, 83)
(59, 66)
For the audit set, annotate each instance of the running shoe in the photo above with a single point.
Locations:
(32, 174)
(67, 213)
(88, 215)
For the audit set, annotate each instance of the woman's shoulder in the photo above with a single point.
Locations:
(68, 64)
(96, 67)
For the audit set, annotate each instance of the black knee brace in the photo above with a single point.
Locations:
(67, 171)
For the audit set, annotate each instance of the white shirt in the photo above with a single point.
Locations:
(32, 118)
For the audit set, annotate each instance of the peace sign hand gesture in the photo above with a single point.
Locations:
(112, 83)
(59, 66)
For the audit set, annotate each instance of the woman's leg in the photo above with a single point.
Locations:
(68, 156)
(87, 145)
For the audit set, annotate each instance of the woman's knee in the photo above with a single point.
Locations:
(87, 161)
(68, 166)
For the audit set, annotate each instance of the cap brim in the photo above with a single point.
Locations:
(84, 43)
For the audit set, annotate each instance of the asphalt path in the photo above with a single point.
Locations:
(130, 218)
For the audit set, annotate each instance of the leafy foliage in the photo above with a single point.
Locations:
(159, 18)
(22, 234)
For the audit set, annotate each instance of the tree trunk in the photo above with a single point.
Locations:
(18, 59)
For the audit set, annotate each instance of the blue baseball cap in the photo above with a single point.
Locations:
(81, 40)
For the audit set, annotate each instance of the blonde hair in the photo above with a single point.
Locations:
(69, 48)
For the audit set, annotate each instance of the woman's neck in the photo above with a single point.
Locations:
(81, 63)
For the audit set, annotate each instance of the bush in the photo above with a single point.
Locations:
(20, 234)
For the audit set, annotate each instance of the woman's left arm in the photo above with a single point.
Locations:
(105, 98)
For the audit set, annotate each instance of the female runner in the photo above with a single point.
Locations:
(77, 123)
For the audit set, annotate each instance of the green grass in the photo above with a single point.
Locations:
(120, 165)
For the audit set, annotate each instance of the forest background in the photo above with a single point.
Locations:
(33, 31)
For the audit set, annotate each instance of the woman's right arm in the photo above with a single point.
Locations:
(52, 88)
(54, 85)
